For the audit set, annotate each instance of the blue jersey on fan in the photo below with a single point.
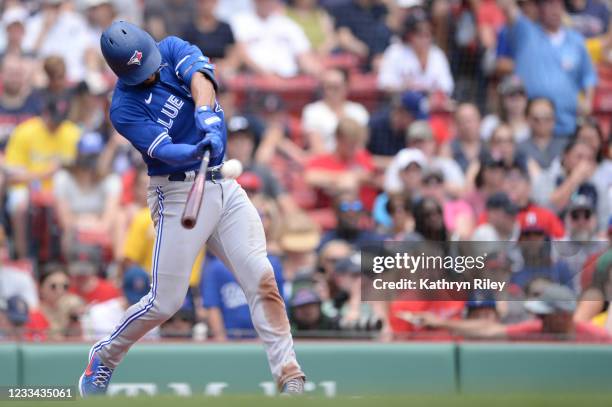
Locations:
(150, 116)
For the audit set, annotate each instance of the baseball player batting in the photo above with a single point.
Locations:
(164, 104)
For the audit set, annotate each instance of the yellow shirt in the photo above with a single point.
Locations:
(139, 243)
(34, 148)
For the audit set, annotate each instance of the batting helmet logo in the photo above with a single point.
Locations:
(135, 59)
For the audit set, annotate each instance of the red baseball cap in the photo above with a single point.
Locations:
(249, 181)
(537, 219)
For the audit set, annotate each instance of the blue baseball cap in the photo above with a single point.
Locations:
(416, 104)
(90, 143)
(130, 52)
(135, 285)
(17, 310)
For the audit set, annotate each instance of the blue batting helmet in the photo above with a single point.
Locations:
(130, 51)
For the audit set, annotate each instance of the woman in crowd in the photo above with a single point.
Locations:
(512, 109)
(58, 316)
(315, 22)
(86, 201)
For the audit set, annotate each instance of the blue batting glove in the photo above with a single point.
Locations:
(213, 142)
(207, 121)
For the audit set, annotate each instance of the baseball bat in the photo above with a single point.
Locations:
(196, 195)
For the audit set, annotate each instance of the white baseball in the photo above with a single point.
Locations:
(231, 169)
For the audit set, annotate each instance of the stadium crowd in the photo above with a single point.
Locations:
(355, 121)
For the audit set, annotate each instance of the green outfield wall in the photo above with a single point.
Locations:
(333, 368)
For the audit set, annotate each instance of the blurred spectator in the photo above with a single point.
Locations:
(87, 109)
(307, 315)
(502, 147)
(518, 186)
(14, 281)
(589, 17)
(399, 210)
(353, 314)
(429, 221)
(501, 222)
(271, 43)
(590, 132)
(84, 266)
(86, 200)
(594, 302)
(215, 38)
(57, 83)
(573, 173)
(553, 311)
(101, 318)
(416, 63)
(298, 238)
(459, 217)
(315, 22)
(320, 118)
(403, 175)
(100, 14)
(241, 144)
(504, 64)
(512, 108)
(224, 299)
(542, 146)
(538, 259)
(17, 101)
(466, 146)
(14, 314)
(350, 166)
(552, 61)
(361, 28)
(581, 240)
(60, 311)
(350, 218)
(485, 178)
(13, 22)
(57, 30)
(227, 9)
(36, 150)
(580, 220)
(388, 126)
(419, 137)
(180, 325)
(167, 17)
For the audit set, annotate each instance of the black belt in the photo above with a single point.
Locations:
(211, 175)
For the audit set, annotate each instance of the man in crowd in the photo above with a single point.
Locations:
(466, 146)
(552, 61)
(17, 102)
(271, 43)
(35, 152)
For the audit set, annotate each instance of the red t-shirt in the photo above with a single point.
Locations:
(331, 162)
(37, 326)
(529, 330)
(103, 291)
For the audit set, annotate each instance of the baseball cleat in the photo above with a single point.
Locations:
(293, 387)
(95, 379)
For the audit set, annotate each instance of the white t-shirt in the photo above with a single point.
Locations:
(16, 282)
(273, 43)
(319, 118)
(102, 318)
(85, 201)
(400, 69)
(69, 38)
